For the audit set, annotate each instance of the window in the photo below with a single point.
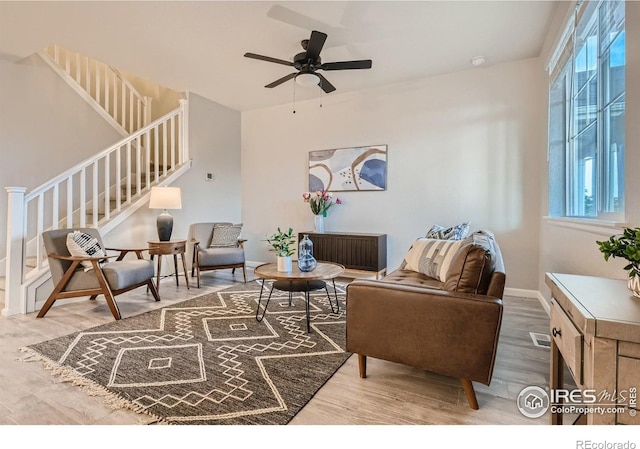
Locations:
(587, 114)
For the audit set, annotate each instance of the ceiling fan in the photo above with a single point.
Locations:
(308, 62)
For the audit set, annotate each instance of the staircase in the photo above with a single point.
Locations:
(101, 191)
(103, 86)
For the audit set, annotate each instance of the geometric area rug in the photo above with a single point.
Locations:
(207, 360)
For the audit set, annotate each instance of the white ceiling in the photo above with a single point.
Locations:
(199, 46)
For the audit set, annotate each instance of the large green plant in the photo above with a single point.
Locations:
(627, 246)
(282, 242)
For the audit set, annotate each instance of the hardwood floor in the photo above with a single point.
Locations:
(391, 394)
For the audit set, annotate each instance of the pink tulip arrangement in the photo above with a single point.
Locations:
(320, 201)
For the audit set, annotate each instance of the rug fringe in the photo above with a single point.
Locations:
(29, 355)
(110, 399)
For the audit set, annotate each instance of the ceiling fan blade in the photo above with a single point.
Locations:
(325, 84)
(347, 65)
(268, 59)
(297, 19)
(316, 42)
(282, 80)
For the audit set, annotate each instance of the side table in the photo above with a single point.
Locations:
(595, 327)
(168, 248)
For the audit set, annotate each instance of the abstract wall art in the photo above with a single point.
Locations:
(348, 169)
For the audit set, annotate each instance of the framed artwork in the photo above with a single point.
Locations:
(348, 169)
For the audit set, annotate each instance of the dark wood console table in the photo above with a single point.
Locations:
(357, 252)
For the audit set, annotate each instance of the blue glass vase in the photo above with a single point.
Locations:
(306, 261)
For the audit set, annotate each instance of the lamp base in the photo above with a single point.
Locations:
(165, 226)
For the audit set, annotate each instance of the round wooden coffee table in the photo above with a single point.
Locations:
(299, 281)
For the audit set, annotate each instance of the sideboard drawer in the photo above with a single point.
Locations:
(568, 339)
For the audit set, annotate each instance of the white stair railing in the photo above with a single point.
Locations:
(90, 194)
(105, 85)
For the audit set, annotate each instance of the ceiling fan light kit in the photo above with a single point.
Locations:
(309, 62)
(307, 79)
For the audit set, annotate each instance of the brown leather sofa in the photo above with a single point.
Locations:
(449, 327)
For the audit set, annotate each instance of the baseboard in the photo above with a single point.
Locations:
(524, 293)
(544, 303)
(252, 263)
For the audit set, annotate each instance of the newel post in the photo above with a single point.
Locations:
(13, 301)
(184, 104)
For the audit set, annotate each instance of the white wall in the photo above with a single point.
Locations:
(45, 128)
(565, 248)
(463, 146)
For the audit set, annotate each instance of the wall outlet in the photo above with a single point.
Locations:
(208, 177)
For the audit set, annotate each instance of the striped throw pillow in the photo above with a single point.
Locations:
(431, 257)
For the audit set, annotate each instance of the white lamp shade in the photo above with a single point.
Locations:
(307, 79)
(165, 198)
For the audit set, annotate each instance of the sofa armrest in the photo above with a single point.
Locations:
(450, 333)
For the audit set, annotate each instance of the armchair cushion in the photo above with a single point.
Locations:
(225, 235)
(211, 257)
(81, 244)
(121, 274)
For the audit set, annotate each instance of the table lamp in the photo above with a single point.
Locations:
(165, 198)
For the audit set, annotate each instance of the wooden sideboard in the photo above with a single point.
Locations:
(595, 328)
(358, 252)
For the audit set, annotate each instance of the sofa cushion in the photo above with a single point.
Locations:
(211, 257)
(412, 278)
(457, 232)
(472, 265)
(431, 257)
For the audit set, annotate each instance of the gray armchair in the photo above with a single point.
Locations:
(207, 258)
(71, 280)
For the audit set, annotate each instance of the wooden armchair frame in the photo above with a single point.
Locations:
(104, 288)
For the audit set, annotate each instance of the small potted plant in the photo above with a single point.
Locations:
(283, 243)
(627, 246)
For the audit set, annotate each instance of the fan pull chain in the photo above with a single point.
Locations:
(294, 96)
(321, 89)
